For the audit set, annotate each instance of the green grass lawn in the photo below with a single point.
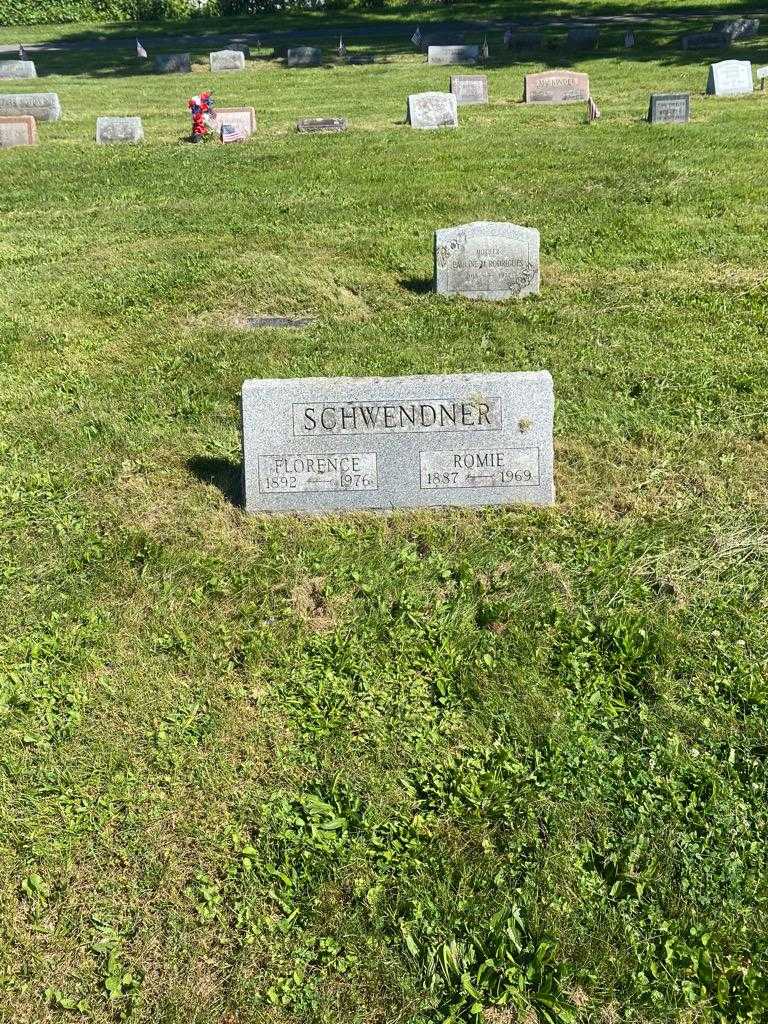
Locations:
(499, 767)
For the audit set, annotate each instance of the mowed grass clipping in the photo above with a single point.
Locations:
(494, 767)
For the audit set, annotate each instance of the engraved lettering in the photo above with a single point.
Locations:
(388, 417)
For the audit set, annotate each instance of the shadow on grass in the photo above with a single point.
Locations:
(222, 473)
(417, 285)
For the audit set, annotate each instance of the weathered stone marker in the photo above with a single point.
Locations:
(584, 37)
(243, 118)
(119, 129)
(706, 41)
(241, 48)
(433, 110)
(761, 74)
(556, 87)
(17, 131)
(739, 28)
(669, 108)
(347, 444)
(43, 106)
(487, 260)
(227, 60)
(730, 78)
(321, 125)
(17, 69)
(173, 64)
(304, 57)
(469, 89)
(453, 54)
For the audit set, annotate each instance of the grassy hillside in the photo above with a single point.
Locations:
(500, 767)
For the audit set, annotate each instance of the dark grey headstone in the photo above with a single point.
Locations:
(469, 89)
(730, 78)
(374, 443)
(322, 124)
(526, 40)
(487, 260)
(43, 106)
(669, 108)
(453, 54)
(119, 129)
(361, 58)
(433, 110)
(738, 28)
(17, 69)
(304, 57)
(227, 60)
(173, 63)
(242, 47)
(706, 41)
(583, 37)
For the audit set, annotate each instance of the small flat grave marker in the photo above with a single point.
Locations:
(556, 87)
(322, 125)
(453, 54)
(373, 443)
(119, 129)
(361, 58)
(669, 108)
(173, 64)
(469, 89)
(227, 60)
(289, 322)
(17, 131)
(730, 78)
(242, 118)
(304, 57)
(43, 106)
(433, 110)
(17, 69)
(487, 260)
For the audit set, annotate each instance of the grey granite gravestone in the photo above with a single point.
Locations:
(17, 69)
(469, 89)
(227, 60)
(43, 106)
(583, 37)
(243, 118)
(361, 58)
(119, 129)
(706, 41)
(556, 87)
(348, 444)
(526, 40)
(321, 125)
(304, 57)
(241, 47)
(730, 78)
(487, 260)
(669, 108)
(453, 54)
(17, 131)
(173, 64)
(739, 28)
(432, 110)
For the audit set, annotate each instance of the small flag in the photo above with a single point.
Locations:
(508, 38)
(22, 52)
(416, 37)
(629, 40)
(593, 111)
(341, 48)
(484, 51)
(141, 53)
(230, 133)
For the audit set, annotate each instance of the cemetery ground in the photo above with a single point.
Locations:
(492, 766)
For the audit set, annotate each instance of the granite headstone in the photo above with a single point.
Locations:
(374, 443)
(17, 131)
(243, 118)
(469, 89)
(173, 63)
(739, 28)
(556, 87)
(583, 37)
(321, 125)
(730, 78)
(227, 60)
(706, 41)
(433, 110)
(453, 54)
(669, 108)
(487, 260)
(43, 106)
(304, 57)
(119, 129)
(17, 69)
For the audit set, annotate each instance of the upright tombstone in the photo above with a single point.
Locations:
(556, 87)
(17, 131)
(669, 108)
(173, 64)
(738, 28)
(43, 106)
(350, 444)
(706, 41)
(240, 48)
(583, 37)
(433, 110)
(321, 125)
(469, 89)
(17, 69)
(524, 40)
(453, 54)
(243, 119)
(304, 57)
(730, 78)
(119, 129)
(761, 74)
(487, 260)
(227, 60)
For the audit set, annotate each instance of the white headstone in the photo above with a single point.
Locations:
(433, 110)
(487, 260)
(730, 78)
(17, 69)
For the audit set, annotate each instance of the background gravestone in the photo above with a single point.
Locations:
(321, 125)
(583, 37)
(240, 47)
(173, 63)
(227, 60)
(243, 118)
(43, 106)
(453, 54)
(740, 28)
(469, 89)
(761, 74)
(346, 444)
(17, 131)
(17, 69)
(706, 41)
(433, 110)
(119, 129)
(487, 260)
(525, 40)
(730, 78)
(669, 108)
(304, 57)
(556, 87)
